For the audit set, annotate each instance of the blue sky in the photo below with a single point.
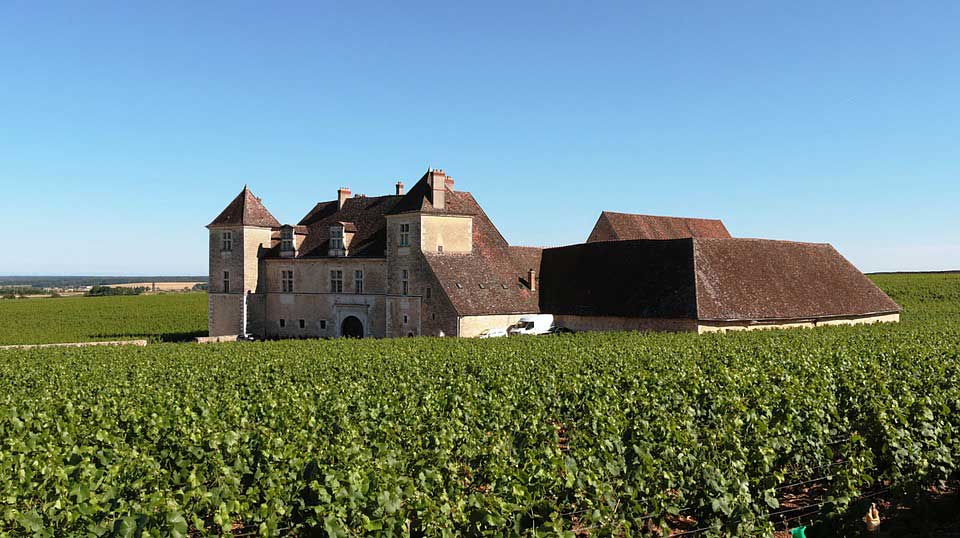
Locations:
(125, 127)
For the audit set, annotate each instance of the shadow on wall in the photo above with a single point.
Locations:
(164, 337)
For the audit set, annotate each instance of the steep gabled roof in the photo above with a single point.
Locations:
(707, 279)
(613, 226)
(366, 218)
(762, 279)
(245, 210)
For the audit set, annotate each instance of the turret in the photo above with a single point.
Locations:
(236, 236)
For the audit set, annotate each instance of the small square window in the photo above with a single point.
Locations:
(283, 323)
(303, 324)
(323, 324)
(433, 316)
(440, 249)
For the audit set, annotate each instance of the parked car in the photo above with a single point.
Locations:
(493, 333)
(532, 324)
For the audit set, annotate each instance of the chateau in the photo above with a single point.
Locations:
(430, 262)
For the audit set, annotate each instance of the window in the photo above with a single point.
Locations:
(433, 316)
(336, 281)
(405, 281)
(428, 292)
(283, 323)
(286, 238)
(336, 238)
(440, 249)
(358, 281)
(303, 324)
(226, 244)
(286, 278)
(404, 318)
(323, 324)
(404, 235)
(226, 282)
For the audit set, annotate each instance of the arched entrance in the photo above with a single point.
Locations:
(351, 327)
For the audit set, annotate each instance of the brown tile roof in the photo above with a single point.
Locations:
(492, 278)
(707, 279)
(761, 279)
(364, 214)
(613, 226)
(245, 210)
(478, 284)
(417, 199)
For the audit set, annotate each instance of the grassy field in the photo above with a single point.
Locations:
(606, 434)
(167, 318)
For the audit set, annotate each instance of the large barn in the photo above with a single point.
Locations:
(430, 262)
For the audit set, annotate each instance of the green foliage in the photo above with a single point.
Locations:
(108, 291)
(171, 317)
(444, 437)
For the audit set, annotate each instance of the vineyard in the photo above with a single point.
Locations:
(169, 317)
(574, 435)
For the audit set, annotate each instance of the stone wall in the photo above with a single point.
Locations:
(224, 313)
(453, 233)
(724, 326)
(612, 323)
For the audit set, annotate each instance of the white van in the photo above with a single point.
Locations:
(532, 324)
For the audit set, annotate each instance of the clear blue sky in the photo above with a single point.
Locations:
(125, 128)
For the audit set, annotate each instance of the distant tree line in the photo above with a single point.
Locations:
(11, 292)
(103, 291)
(77, 281)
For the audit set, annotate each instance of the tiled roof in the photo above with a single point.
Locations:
(747, 279)
(707, 279)
(245, 210)
(612, 226)
(492, 278)
(417, 199)
(364, 214)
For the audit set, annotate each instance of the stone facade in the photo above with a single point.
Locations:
(430, 262)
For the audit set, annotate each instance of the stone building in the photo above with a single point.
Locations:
(430, 262)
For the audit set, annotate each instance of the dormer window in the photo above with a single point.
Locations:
(340, 235)
(288, 241)
(226, 241)
(336, 237)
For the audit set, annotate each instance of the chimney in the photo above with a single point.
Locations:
(399, 188)
(438, 183)
(342, 194)
(532, 278)
(449, 183)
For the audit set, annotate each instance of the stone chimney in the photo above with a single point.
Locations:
(399, 188)
(532, 278)
(342, 194)
(449, 183)
(438, 184)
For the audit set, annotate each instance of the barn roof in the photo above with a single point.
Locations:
(761, 279)
(245, 210)
(613, 226)
(707, 279)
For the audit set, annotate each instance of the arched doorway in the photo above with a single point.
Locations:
(351, 327)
